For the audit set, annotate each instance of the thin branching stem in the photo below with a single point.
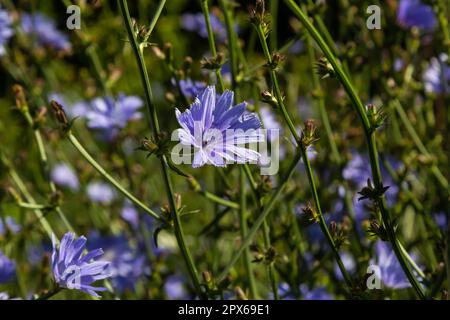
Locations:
(370, 139)
(179, 233)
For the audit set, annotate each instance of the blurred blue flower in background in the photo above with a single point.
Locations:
(6, 30)
(7, 269)
(391, 272)
(4, 296)
(108, 116)
(191, 88)
(269, 120)
(320, 293)
(9, 224)
(127, 264)
(195, 22)
(100, 192)
(413, 13)
(284, 292)
(64, 176)
(73, 270)
(297, 47)
(357, 171)
(43, 30)
(441, 219)
(130, 214)
(349, 265)
(437, 75)
(174, 287)
(209, 115)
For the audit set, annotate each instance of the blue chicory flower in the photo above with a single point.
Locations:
(413, 13)
(64, 176)
(44, 31)
(108, 116)
(437, 76)
(7, 269)
(6, 31)
(73, 270)
(196, 23)
(100, 193)
(215, 129)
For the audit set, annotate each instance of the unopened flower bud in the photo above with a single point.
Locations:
(324, 68)
(376, 116)
(309, 134)
(269, 98)
(19, 94)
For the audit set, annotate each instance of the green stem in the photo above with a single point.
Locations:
(322, 222)
(219, 200)
(304, 154)
(155, 18)
(232, 43)
(234, 59)
(442, 13)
(108, 177)
(335, 155)
(243, 225)
(44, 163)
(260, 220)
(412, 262)
(28, 197)
(370, 139)
(270, 267)
(274, 4)
(274, 79)
(179, 234)
(34, 206)
(50, 293)
(212, 43)
(418, 142)
(321, 103)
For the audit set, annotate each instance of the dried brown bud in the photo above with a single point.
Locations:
(60, 114)
(258, 12)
